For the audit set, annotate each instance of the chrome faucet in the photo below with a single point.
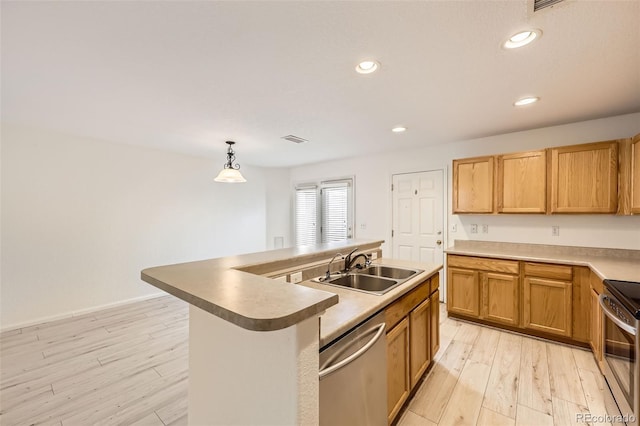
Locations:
(349, 262)
(327, 275)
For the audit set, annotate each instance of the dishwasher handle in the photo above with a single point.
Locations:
(379, 330)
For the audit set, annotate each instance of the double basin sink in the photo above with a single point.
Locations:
(374, 279)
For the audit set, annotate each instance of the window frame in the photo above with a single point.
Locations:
(319, 185)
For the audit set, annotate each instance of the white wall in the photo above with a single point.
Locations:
(373, 178)
(278, 199)
(81, 218)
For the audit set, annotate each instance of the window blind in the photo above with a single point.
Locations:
(306, 215)
(335, 212)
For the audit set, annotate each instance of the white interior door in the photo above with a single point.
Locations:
(418, 224)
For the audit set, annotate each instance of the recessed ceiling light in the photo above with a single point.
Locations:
(399, 129)
(526, 101)
(367, 67)
(522, 39)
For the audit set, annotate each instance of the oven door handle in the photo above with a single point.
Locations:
(613, 317)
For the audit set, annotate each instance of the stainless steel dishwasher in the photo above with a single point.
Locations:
(353, 377)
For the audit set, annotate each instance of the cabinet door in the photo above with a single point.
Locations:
(635, 174)
(500, 298)
(596, 328)
(463, 295)
(419, 328)
(434, 337)
(473, 185)
(547, 305)
(584, 178)
(522, 182)
(398, 384)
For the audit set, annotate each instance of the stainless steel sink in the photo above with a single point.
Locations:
(390, 272)
(375, 279)
(368, 283)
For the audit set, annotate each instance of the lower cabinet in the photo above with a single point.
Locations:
(547, 306)
(489, 291)
(540, 298)
(500, 298)
(413, 338)
(434, 337)
(548, 298)
(596, 331)
(398, 384)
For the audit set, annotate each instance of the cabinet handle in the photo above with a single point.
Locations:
(439, 242)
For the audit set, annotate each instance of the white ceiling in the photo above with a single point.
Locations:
(188, 75)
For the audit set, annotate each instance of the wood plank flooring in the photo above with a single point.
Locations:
(484, 376)
(128, 366)
(120, 366)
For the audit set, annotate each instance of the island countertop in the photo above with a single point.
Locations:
(251, 301)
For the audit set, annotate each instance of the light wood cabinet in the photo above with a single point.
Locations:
(419, 344)
(488, 290)
(473, 180)
(584, 178)
(412, 341)
(500, 298)
(635, 174)
(434, 336)
(398, 384)
(463, 295)
(522, 182)
(596, 335)
(547, 305)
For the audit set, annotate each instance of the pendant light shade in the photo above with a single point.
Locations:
(231, 172)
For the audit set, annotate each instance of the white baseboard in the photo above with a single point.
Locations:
(80, 312)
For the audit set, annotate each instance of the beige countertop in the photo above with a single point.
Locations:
(613, 264)
(355, 307)
(251, 301)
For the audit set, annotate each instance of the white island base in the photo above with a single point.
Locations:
(243, 377)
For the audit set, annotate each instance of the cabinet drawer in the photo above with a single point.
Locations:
(484, 264)
(545, 270)
(401, 308)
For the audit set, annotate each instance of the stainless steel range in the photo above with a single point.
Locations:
(620, 303)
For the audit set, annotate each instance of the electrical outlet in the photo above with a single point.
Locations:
(485, 229)
(555, 231)
(363, 226)
(454, 228)
(296, 277)
(474, 228)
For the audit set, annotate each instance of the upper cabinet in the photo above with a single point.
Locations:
(584, 178)
(473, 185)
(635, 174)
(522, 182)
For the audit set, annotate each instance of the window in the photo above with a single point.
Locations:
(324, 212)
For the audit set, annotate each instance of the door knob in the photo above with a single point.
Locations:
(439, 242)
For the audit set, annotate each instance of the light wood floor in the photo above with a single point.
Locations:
(128, 366)
(484, 376)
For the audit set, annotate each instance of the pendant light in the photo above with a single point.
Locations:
(230, 173)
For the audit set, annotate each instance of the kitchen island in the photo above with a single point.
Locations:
(254, 341)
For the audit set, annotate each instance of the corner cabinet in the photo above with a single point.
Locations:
(522, 182)
(584, 178)
(473, 185)
(412, 341)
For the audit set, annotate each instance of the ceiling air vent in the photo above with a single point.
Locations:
(294, 139)
(541, 4)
